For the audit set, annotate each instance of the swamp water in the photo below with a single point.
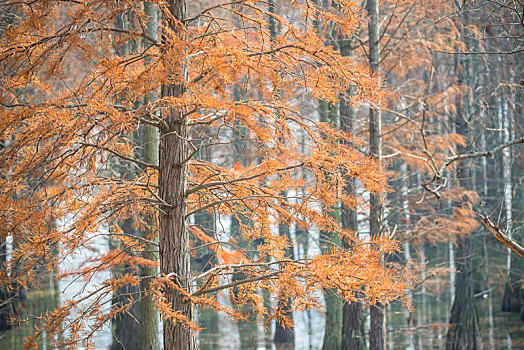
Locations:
(426, 328)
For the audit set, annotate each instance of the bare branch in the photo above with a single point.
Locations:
(489, 153)
(451, 160)
(500, 236)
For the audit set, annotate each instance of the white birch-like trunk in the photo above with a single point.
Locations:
(484, 160)
(506, 170)
(424, 308)
(407, 247)
(452, 273)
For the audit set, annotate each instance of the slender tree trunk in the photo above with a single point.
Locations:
(207, 317)
(506, 170)
(333, 326)
(284, 336)
(6, 298)
(407, 250)
(329, 241)
(512, 299)
(378, 316)
(333, 333)
(452, 272)
(268, 339)
(247, 328)
(173, 226)
(149, 315)
(353, 318)
(205, 258)
(5, 302)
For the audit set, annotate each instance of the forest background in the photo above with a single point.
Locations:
(282, 208)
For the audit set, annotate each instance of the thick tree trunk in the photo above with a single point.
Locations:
(377, 336)
(378, 316)
(173, 227)
(463, 332)
(464, 329)
(353, 330)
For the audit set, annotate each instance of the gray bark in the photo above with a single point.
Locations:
(328, 241)
(284, 336)
(149, 315)
(353, 318)
(463, 332)
(377, 333)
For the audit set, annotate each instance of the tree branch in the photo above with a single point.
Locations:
(119, 155)
(237, 283)
(500, 236)
(450, 160)
(489, 153)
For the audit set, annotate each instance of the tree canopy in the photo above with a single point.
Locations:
(74, 95)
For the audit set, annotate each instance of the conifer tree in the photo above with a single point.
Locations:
(68, 101)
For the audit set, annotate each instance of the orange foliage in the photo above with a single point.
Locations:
(69, 102)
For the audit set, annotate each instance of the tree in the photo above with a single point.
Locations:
(353, 332)
(68, 100)
(377, 332)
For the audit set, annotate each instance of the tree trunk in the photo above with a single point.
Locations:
(125, 328)
(5, 297)
(377, 336)
(512, 300)
(206, 259)
(353, 318)
(463, 332)
(149, 315)
(268, 339)
(378, 316)
(247, 328)
(333, 333)
(353, 330)
(329, 241)
(464, 329)
(284, 336)
(173, 227)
